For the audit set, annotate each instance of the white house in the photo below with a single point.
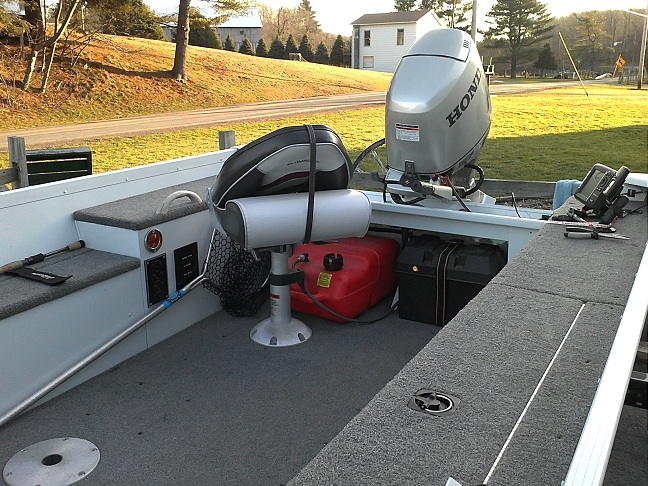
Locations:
(239, 28)
(380, 40)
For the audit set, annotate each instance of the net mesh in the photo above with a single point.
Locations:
(236, 276)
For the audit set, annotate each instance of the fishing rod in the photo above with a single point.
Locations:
(39, 257)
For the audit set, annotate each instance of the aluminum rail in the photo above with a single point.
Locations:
(595, 444)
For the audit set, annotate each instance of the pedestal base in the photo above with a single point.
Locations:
(269, 333)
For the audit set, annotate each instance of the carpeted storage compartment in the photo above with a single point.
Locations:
(438, 278)
(348, 275)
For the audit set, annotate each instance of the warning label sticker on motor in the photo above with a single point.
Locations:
(409, 133)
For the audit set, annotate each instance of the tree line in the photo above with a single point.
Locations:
(285, 23)
(45, 30)
(522, 34)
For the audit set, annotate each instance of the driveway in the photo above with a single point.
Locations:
(205, 117)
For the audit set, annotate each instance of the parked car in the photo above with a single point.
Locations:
(563, 75)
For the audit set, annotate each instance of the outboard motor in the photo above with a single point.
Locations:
(438, 114)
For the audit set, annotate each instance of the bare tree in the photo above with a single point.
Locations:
(64, 13)
(275, 24)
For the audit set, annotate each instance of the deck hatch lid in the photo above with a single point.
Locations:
(53, 462)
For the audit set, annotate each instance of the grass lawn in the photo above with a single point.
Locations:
(545, 136)
(561, 133)
(119, 76)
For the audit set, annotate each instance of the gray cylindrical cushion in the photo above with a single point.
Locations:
(267, 221)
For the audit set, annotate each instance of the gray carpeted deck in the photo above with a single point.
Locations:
(492, 356)
(210, 407)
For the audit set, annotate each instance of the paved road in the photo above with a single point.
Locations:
(141, 125)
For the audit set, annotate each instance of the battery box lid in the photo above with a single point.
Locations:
(466, 263)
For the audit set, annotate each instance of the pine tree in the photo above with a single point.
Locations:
(401, 6)
(432, 4)
(277, 49)
(131, 17)
(521, 24)
(453, 12)
(592, 42)
(321, 54)
(205, 37)
(246, 47)
(261, 48)
(291, 46)
(306, 49)
(309, 24)
(217, 42)
(229, 44)
(546, 60)
(337, 52)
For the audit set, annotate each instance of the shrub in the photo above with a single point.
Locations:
(229, 44)
(306, 49)
(277, 49)
(261, 48)
(291, 47)
(204, 37)
(322, 54)
(246, 47)
(337, 52)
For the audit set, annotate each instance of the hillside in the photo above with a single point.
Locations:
(123, 76)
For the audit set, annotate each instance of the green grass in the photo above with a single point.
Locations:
(545, 136)
(561, 133)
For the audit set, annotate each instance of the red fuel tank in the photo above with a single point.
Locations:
(367, 275)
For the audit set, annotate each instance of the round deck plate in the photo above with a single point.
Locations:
(53, 462)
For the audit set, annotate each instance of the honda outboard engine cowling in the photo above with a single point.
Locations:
(438, 109)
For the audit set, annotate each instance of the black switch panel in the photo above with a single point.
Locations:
(157, 280)
(186, 264)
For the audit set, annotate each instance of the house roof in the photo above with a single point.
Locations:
(13, 7)
(251, 19)
(390, 18)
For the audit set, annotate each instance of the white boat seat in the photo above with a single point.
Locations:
(288, 187)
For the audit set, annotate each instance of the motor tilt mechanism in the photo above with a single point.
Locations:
(434, 134)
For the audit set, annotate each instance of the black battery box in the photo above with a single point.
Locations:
(438, 278)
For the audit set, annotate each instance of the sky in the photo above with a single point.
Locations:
(335, 16)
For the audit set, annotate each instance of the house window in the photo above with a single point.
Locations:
(242, 32)
(367, 38)
(367, 61)
(400, 37)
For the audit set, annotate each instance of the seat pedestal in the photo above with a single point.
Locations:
(281, 329)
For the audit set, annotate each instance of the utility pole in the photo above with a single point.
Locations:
(473, 29)
(642, 55)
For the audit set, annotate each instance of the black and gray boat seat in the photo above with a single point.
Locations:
(288, 187)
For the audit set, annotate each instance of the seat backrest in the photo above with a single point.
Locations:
(287, 187)
(279, 163)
